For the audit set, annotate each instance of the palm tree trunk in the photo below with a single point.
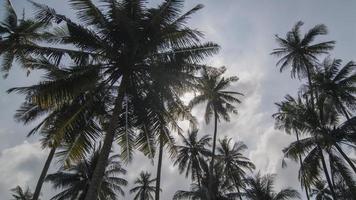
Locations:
(159, 167)
(211, 177)
(301, 166)
(345, 157)
(327, 176)
(43, 174)
(99, 171)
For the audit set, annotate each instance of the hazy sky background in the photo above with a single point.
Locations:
(245, 30)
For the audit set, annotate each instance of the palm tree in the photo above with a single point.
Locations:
(75, 180)
(301, 54)
(19, 194)
(218, 187)
(337, 83)
(261, 188)
(127, 43)
(287, 119)
(191, 153)
(219, 102)
(68, 125)
(233, 163)
(144, 189)
(15, 33)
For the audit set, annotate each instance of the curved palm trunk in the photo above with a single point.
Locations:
(327, 176)
(301, 166)
(213, 156)
(43, 174)
(99, 171)
(159, 167)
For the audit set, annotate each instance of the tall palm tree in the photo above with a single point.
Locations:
(191, 154)
(233, 163)
(261, 188)
(287, 119)
(144, 189)
(219, 101)
(19, 194)
(127, 43)
(75, 180)
(301, 55)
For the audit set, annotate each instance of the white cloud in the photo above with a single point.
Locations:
(20, 165)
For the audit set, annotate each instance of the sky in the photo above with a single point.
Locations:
(245, 30)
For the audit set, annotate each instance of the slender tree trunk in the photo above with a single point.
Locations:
(99, 171)
(302, 168)
(159, 167)
(43, 174)
(327, 176)
(211, 177)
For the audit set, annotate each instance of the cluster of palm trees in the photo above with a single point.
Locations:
(321, 116)
(116, 75)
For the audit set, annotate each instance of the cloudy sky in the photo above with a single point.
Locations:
(245, 30)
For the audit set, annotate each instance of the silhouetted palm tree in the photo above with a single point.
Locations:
(233, 163)
(144, 187)
(16, 33)
(75, 180)
(219, 102)
(69, 126)
(19, 194)
(218, 187)
(300, 53)
(191, 153)
(261, 188)
(321, 191)
(127, 43)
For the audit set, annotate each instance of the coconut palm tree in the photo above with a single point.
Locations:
(127, 43)
(217, 187)
(68, 126)
(144, 189)
(191, 154)
(337, 83)
(19, 194)
(75, 180)
(233, 163)
(261, 188)
(15, 33)
(287, 120)
(300, 53)
(219, 101)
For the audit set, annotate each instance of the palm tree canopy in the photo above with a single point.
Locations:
(191, 152)
(126, 47)
(212, 90)
(261, 188)
(75, 180)
(16, 32)
(144, 187)
(300, 52)
(337, 82)
(234, 163)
